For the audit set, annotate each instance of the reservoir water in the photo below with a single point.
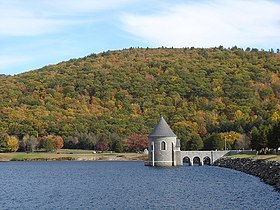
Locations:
(129, 185)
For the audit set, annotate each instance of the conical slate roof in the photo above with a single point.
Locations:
(162, 129)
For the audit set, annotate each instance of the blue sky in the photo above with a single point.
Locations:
(37, 33)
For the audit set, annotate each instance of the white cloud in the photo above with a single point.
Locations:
(35, 33)
(32, 18)
(209, 23)
(17, 21)
(27, 26)
(83, 6)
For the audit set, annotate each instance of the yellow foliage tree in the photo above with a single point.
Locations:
(275, 117)
(238, 115)
(12, 144)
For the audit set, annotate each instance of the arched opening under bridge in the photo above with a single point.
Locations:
(206, 161)
(196, 161)
(187, 161)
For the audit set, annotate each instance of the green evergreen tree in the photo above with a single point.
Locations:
(260, 137)
(48, 144)
(214, 142)
(195, 143)
(274, 137)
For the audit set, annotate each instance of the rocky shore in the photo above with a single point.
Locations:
(268, 171)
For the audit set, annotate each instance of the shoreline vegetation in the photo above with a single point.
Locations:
(71, 155)
(267, 157)
(91, 155)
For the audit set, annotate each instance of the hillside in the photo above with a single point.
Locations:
(117, 94)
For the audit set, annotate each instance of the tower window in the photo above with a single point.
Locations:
(163, 145)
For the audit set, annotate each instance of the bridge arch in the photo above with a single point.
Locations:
(187, 161)
(197, 160)
(206, 160)
(205, 157)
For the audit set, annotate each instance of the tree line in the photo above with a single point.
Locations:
(30, 143)
(49, 143)
(261, 139)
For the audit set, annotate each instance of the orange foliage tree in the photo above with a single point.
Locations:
(58, 142)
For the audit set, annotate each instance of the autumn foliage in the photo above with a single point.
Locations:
(51, 142)
(12, 144)
(8, 143)
(202, 93)
(136, 143)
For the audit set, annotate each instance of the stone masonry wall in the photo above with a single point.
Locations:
(268, 171)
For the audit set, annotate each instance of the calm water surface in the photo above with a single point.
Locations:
(129, 185)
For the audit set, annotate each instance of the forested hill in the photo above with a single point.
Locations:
(116, 94)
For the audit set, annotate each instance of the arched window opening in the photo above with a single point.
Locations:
(163, 145)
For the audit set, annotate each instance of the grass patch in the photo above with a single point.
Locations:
(264, 157)
(44, 159)
(68, 155)
(74, 151)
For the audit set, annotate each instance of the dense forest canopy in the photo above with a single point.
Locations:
(105, 100)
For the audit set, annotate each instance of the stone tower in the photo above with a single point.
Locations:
(164, 147)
